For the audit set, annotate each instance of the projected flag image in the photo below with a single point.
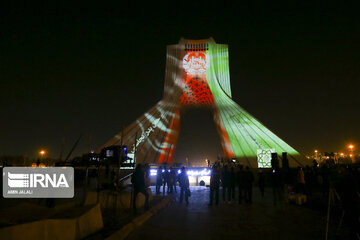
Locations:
(198, 75)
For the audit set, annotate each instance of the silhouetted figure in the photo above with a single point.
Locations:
(232, 182)
(165, 178)
(261, 182)
(241, 183)
(113, 178)
(138, 181)
(158, 179)
(171, 180)
(277, 186)
(93, 179)
(176, 177)
(184, 185)
(249, 179)
(226, 184)
(315, 164)
(214, 185)
(300, 180)
(147, 175)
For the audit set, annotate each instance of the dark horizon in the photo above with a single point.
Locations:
(68, 73)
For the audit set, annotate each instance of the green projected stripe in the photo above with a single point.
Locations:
(246, 134)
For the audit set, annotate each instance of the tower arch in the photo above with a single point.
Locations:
(197, 75)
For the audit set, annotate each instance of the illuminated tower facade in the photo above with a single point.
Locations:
(197, 75)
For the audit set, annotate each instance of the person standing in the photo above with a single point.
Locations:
(241, 183)
(278, 189)
(158, 179)
(249, 176)
(232, 182)
(226, 184)
(175, 181)
(184, 185)
(300, 180)
(171, 180)
(261, 183)
(138, 181)
(214, 185)
(113, 178)
(164, 175)
(147, 175)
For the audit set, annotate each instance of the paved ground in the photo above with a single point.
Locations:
(259, 220)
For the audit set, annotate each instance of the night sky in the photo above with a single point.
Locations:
(66, 72)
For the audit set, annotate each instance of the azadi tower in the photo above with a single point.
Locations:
(197, 75)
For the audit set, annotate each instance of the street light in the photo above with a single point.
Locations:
(351, 149)
(316, 155)
(42, 153)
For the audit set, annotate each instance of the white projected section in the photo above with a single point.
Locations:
(196, 62)
(264, 157)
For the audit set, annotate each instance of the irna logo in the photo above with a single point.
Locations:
(33, 180)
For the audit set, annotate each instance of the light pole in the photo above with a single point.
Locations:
(42, 154)
(341, 156)
(316, 155)
(351, 150)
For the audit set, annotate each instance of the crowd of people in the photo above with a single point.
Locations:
(338, 186)
(236, 184)
(226, 176)
(167, 179)
(229, 179)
